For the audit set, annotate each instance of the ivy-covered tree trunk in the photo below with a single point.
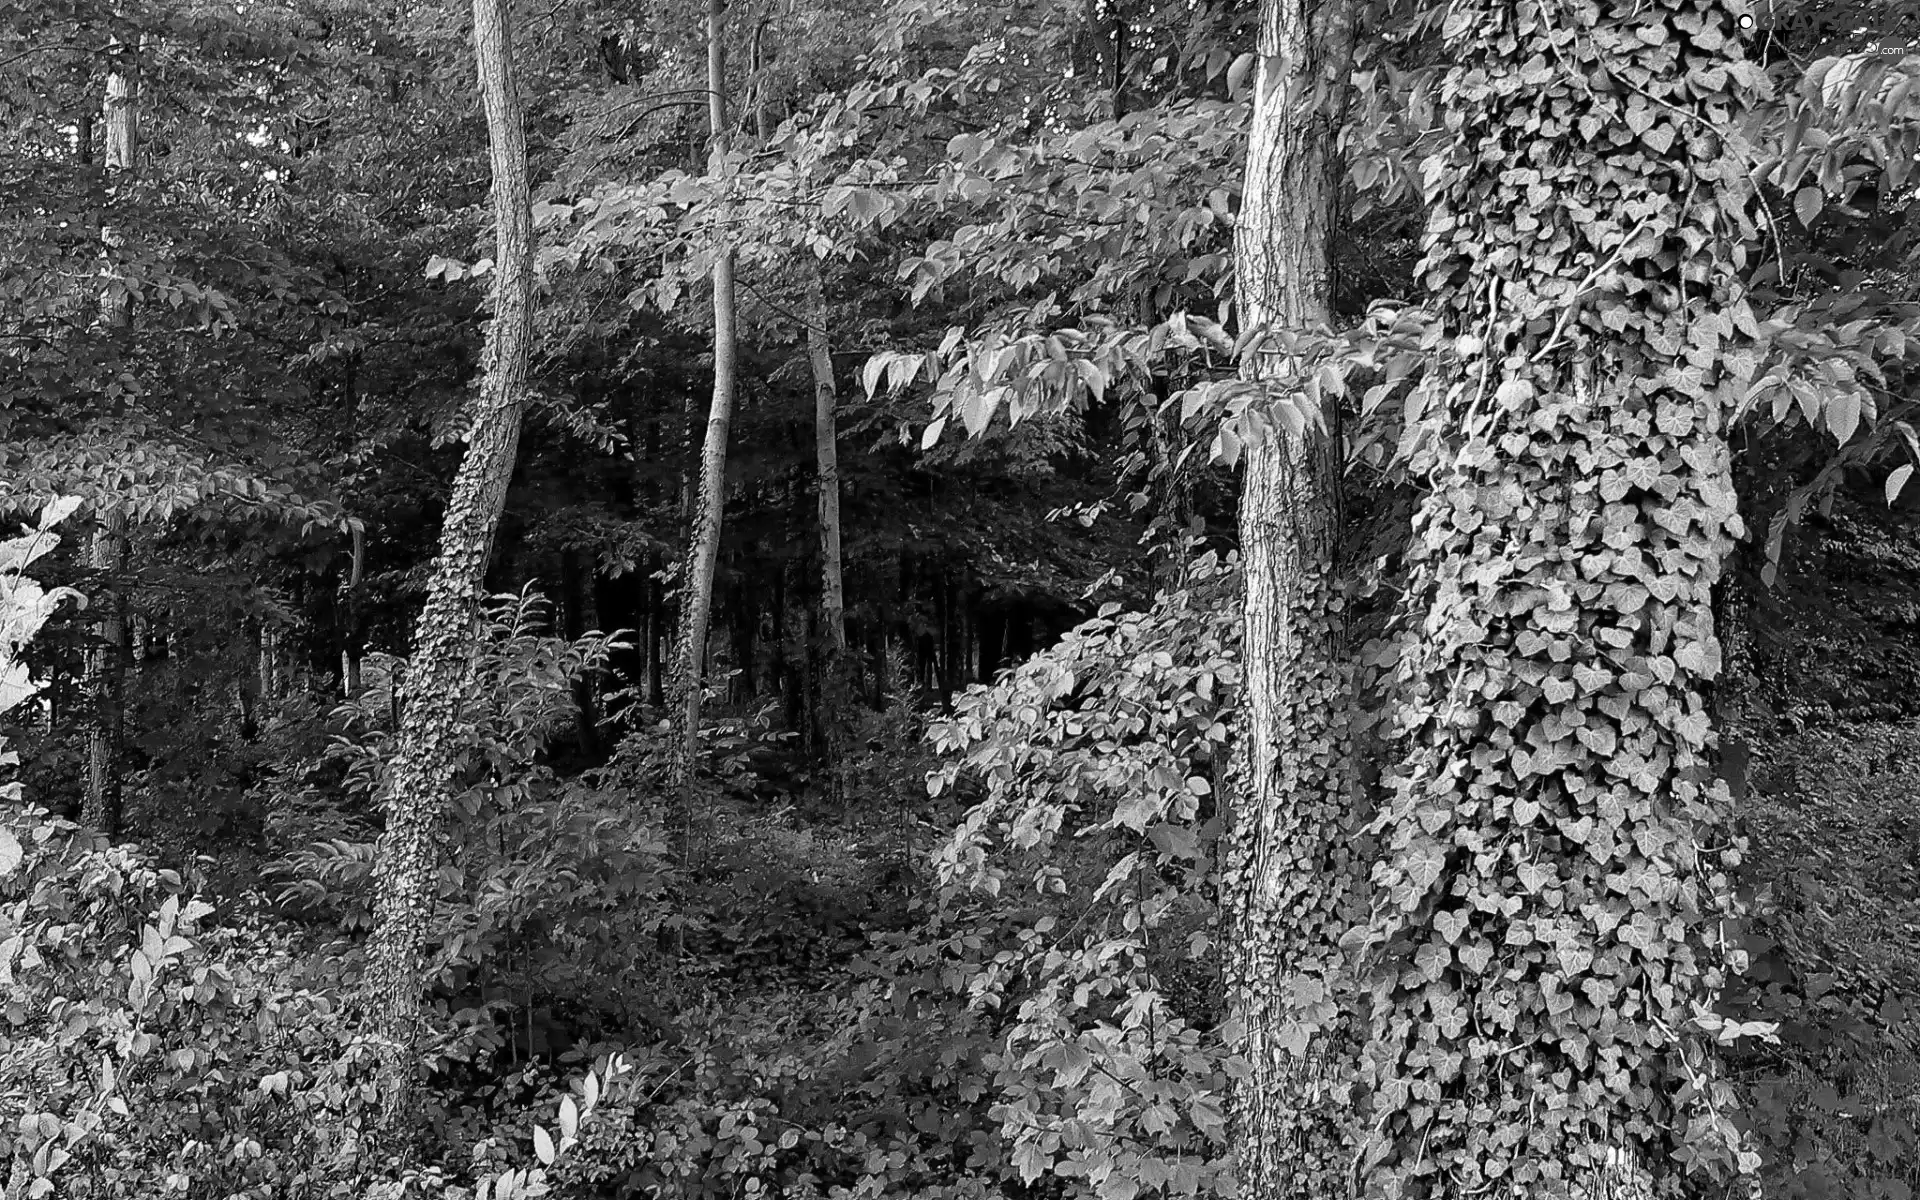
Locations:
(1290, 867)
(1556, 859)
(422, 772)
(703, 550)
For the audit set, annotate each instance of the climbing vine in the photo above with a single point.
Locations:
(1543, 945)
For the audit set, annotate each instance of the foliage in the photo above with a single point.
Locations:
(550, 887)
(24, 605)
(1094, 845)
(158, 1054)
(139, 1039)
(1835, 1106)
(1021, 214)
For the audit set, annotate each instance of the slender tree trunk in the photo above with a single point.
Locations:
(834, 690)
(762, 119)
(437, 678)
(106, 669)
(1290, 863)
(833, 602)
(351, 605)
(657, 647)
(704, 550)
(1547, 915)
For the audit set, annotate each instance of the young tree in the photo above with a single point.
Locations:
(423, 765)
(1545, 930)
(1290, 866)
(704, 548)
(106, 667)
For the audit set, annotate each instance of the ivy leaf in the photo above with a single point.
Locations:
(1424, 862)
(1513, 393)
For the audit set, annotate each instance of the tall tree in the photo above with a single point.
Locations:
(421, 780)
(1290, 866)
(106, 666)
(1545, 930)
(703, 550)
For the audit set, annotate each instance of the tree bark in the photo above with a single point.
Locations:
(438, 676)
(704, 549)
(1290, 866)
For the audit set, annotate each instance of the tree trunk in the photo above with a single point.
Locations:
(437, 678)
(834, 690)
(704, 550)
(656, 635)
(106, 672)
(1557, 864)
(351, 607)
(123, 121)
(833, 603)
(1290, 864)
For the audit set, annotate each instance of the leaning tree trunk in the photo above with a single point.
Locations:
(436, 682)
(106, 665)
(1290, 866)
(704, 549)
(1556, 865)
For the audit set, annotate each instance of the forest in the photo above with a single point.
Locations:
(959, 599)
